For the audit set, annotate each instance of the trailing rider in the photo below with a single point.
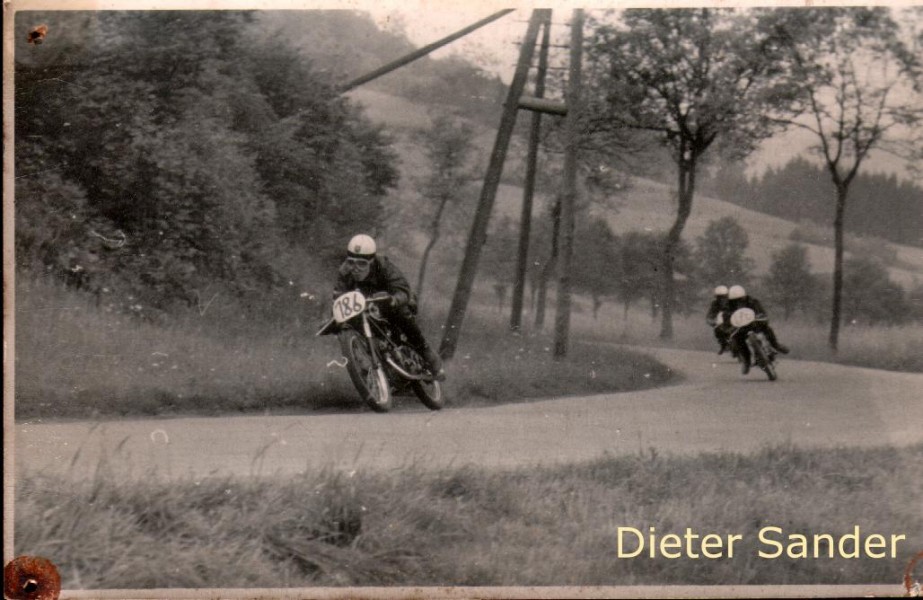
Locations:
(738, 298)
(719, 319)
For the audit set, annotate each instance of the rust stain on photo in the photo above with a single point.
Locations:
(37, 35)
(31, 578)
(912, 587)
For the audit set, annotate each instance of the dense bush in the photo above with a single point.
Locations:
(160, 154)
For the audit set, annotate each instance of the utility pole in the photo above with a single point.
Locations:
(478, 235)
(525, 221)
(409, 58)
(569, 192)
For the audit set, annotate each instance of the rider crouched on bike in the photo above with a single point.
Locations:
(364, 270)
(719, 319)
(738, 298)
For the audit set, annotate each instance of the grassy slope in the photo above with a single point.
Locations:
(75, 360)
(470, 526)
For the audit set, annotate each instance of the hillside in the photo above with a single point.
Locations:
(647, 205)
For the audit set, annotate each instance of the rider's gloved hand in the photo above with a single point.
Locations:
(399, 299)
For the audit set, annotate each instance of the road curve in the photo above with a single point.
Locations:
(715, 408)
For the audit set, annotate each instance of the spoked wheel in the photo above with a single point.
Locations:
(770, 368)
(427, 390)
(372, 383)
(429, 393)
(763, 361)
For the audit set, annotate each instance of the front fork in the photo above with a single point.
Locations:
(373, 347)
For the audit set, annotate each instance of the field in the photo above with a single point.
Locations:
(470, 526)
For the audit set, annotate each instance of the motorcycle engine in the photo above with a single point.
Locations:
(409, 359)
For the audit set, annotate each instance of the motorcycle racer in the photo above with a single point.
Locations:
(370, 273)
(717, 318)
(738, 298)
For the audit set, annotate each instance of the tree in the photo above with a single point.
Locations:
(688, 77)
(859, 83)
(638, 274)
(447, 146)
(184, 161)
(719, 254)
(641, 260)
(869, 295)
(596, 265)
(790, 282)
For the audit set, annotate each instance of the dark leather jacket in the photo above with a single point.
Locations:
(718, 306)
(383, 277)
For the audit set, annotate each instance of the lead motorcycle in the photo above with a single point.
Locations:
(764, 355)
(379, 360)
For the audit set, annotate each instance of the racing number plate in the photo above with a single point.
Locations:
(743, 317)
(348, 306)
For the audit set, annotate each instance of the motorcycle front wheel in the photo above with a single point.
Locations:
(763, 361)
(371, 383)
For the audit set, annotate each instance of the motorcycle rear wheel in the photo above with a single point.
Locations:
(762, 360)
(429, 393)
(371, 383)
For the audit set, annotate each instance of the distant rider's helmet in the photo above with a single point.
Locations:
(736, 292)
(721, 290)
(361, 246)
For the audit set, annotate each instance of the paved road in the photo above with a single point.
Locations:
(813, 404)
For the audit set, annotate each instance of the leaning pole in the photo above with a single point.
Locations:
(478, 235)
(525, 221)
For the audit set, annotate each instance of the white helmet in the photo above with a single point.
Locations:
(361, 246)
(721, 290)
(736, 291)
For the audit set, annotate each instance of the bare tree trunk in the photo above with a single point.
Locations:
(423, 261)
(686, 191)
(548, 269)
(838, 221)
(435, 232)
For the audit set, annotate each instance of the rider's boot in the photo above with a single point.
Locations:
(781, 348)
(723, 348)
(434, 362)
(745, 367)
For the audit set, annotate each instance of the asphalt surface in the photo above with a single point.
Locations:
(713, 409)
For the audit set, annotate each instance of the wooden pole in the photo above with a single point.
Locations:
(478, 235)
(569, 195)
(525, 221)
(409, 58)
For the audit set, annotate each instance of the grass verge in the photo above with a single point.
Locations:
(898, 348)
(73, 360)
(470, 526)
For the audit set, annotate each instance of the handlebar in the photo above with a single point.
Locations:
(380, 297)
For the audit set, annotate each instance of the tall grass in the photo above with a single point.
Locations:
(73, 359)
(471, 526)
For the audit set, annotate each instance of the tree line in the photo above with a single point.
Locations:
(623, 270)
(883, 205)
